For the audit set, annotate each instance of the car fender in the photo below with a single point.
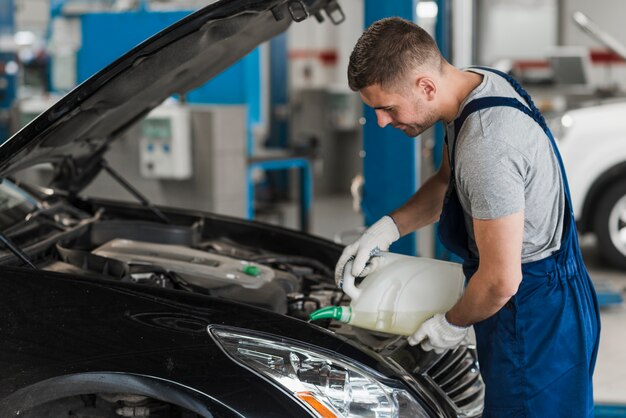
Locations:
(587, 157)
(112, 382)
(593, 195)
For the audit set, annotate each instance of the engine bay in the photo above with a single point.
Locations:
(179, 257)
(262, 265)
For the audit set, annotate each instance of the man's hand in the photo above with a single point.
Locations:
(377, 237)
(438, 334)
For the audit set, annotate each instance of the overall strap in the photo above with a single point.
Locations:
(519, 90)
(484, 103)
(487, 102)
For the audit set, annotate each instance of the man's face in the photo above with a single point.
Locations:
(403, 109)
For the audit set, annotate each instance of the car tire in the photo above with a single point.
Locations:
(609, 224)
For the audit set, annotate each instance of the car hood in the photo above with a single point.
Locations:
(74, 133)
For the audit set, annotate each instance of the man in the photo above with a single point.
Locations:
(502, 200)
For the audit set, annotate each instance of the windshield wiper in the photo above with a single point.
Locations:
(129, 187)
(16, 250)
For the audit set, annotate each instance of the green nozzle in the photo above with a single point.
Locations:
(251, 270)
(337, 313)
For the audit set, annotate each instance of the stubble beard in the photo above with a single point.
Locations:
(415, 129)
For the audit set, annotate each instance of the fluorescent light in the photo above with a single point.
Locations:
(427, 10)
(24, 38)
(11, 68)
(567, 121)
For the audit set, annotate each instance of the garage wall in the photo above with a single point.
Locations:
(531, 29)
(515, 29)
(319, 53)
(217, 183)
(219, 160)
(32, 15)
(321, 105)
(609, 15)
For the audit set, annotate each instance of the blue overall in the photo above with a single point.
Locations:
(538, 352)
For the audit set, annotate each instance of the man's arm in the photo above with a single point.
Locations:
(499, 273)
(424, 207)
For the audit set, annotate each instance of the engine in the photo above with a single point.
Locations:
(177, 257)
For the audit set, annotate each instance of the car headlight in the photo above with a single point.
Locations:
(325, 384)
(560, 125)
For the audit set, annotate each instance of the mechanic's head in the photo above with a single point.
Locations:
(396, 66)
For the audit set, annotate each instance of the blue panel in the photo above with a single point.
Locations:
(442, 32)
(106, 36)
(278, 95)
(376, 10)
(608, 294)
(609, 411)
(8, 92)
(278, 73)
(8, 82)
(278, 123)
(56, 9)
(442, 38)
(7, 17)
(102, 44)
(252, 85)
(390, 166)
(226, 88)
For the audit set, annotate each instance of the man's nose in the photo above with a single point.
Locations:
(383, 118)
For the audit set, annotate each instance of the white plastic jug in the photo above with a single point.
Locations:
(399, 295)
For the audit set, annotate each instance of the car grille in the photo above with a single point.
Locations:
(457, 375)
(453, 375)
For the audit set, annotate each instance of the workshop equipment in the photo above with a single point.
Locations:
(399, 295)
(8, 66)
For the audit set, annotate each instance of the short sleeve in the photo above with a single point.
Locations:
(493, 181)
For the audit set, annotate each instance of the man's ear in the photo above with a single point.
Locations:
(426, 87)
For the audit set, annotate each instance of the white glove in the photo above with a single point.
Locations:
(377, 237)
(438, 334)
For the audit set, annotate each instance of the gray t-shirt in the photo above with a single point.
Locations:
(505, 164)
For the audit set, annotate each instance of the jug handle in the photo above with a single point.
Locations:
(348, 282)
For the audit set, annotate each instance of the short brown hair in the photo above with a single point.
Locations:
(387, 50)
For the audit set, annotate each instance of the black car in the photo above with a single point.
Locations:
(114, 309)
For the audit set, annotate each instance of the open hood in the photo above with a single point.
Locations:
(596, 32)
(75, 132)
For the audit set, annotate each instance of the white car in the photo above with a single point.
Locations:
(592, 141)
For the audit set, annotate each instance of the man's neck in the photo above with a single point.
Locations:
(459, 85)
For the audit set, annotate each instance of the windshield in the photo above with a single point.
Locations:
(15, 204)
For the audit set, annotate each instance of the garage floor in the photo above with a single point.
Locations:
(334, 214)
